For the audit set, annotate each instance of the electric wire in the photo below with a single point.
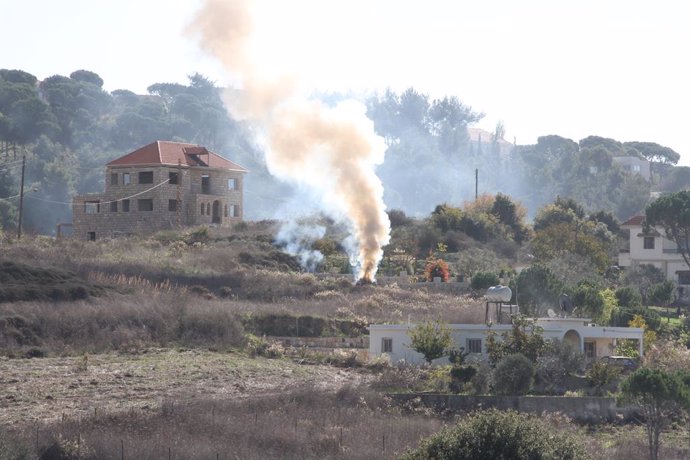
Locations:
(26, 195)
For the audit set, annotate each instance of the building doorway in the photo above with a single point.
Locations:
(573, 338)
(216, 212)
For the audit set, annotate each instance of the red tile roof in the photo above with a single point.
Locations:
(170, 153)
(634, 220)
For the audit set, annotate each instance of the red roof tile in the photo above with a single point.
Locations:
(170, 153)
(634, 220)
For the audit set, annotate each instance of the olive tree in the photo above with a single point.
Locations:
(430, 338)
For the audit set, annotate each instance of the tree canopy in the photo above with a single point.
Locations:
(671, 214)
(659, 395)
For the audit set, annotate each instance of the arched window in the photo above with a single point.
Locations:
(208, 209)
(202, 209)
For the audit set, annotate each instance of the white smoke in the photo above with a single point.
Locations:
(296, 239)
(333, 151)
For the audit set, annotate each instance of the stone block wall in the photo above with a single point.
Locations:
(111, 219)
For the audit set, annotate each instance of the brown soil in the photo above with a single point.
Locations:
(46, 389)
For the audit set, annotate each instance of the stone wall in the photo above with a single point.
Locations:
(324, 342)
(111, 219)
(588, 409)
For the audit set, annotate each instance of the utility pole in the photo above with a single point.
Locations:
(476, 184)
(21, 198)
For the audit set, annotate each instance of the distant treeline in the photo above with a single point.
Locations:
(69, 127)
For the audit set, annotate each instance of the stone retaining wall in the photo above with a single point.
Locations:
(324, 342)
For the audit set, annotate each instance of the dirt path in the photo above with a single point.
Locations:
(45, 389)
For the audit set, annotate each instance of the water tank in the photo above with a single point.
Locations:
(499, 293)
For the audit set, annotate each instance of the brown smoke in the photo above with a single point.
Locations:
(333, 150)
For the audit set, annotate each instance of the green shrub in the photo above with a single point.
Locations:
(558, 360)
(623, 316)
(628, 297)
(514, 375)
(256, 346)
(537, 287)
(484, 280)
(496, 434)
(600, 375)
(461, 376)
(481, 382)
(431, 339)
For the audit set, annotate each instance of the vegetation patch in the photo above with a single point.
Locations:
(19, 282)
(285, 325)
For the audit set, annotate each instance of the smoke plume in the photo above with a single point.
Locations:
(332, 150)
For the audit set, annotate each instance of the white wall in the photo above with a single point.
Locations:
(554, 328)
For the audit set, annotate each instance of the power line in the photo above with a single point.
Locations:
(100, 202)
(10, 165)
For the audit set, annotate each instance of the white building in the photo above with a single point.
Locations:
(653, 249)
(594, 341)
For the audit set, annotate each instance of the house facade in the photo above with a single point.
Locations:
(594, 341)
(635, 165)
(160, 186)
(650, 247)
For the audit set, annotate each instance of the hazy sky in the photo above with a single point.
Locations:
(616, 69)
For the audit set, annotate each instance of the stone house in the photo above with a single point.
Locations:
(594, 341)
(160, 186)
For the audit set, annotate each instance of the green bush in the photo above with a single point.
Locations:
(623, 316)
(600, 375)
(431, 339)
(537, 287)
(257, 346)
(484, 280)
(628, 297)
(496, 434)
(559, 360)
(514, 375)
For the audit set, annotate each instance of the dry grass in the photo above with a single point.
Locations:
(117, 322)
(305, 424)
